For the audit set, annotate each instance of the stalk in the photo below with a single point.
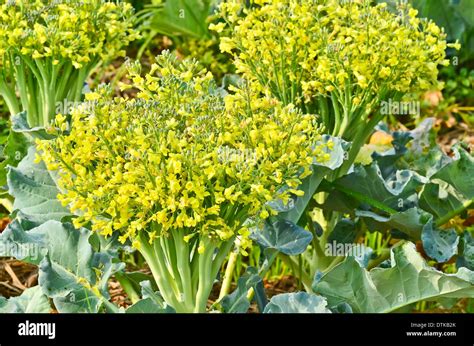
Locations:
(228, 274)
(205, 279)
(163, 284)
(183, 259)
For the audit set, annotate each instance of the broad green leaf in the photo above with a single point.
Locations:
(237, 301)
(283, 236)
(71, 273)
(466, 256)
(148, 306)
(31, 301)
(459, 173)
(429, 163)
(16, 242)
(35, 190)
(182, 17)
(399, 192)
(149, 290)
(20, 125)
(409, 280)
(300, 302)
(440, 199)
(410, 222)
(11, 153)
(439, 244)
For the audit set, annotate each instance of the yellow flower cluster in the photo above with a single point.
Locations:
(79, 31)
(303, 48)
(180, 156)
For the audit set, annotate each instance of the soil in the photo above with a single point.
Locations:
(16, 276)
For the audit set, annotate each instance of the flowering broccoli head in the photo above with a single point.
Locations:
(78, 31)
(300, 49)
(182, 155)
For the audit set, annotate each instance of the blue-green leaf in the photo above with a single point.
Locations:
(409, 222)
(300, 302)
(466, 257)
(439, 244)
(409, 280)
(31, 301)
(283, 236)
(71, 273)
(20, 125)
(148, 306)
(35, 190)
(459, 173)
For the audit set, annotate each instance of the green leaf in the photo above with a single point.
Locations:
(440, 199)
(237, 301)
(344, 232)
(20, 125)
(182, 17)
(283, 236)
(71, 273)
(459, 173)
(16, 242)
(407, 281)
(410, 222)
(11, 154)
(150, 290)
(35, 190)
(148, 306)
(31, 301)
(366, 183)
(429, 163)
(439, 244)
(466, 256)
(300, 302)
(152, 301)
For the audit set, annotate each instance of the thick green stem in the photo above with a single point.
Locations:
(183, 260)
(205, 278)
(337, 115)
(166, 270)
(162, 281)
(225, 288)
(10, 99)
